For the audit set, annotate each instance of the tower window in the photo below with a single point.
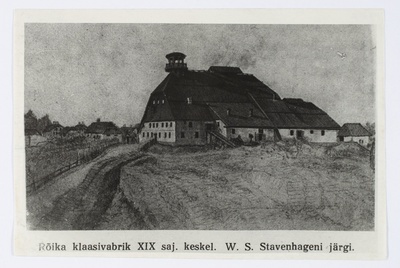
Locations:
(154, 101)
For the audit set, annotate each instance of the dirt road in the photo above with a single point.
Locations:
(77, 200)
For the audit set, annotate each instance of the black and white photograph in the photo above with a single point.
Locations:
(200, 127)
(195, 134)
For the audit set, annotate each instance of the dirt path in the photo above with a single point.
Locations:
(78, 199)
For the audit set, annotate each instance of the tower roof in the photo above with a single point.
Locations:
(176, 55)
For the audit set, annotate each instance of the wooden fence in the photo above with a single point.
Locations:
(86, 155)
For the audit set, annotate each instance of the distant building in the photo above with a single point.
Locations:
(129, 134)
(354, 132)
(53, 130)
(81, 128)
(33, 137)
(193, 107)
(103, 130)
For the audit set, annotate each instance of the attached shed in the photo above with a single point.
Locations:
(354, 132)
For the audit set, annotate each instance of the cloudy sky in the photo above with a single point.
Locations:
(79, 72)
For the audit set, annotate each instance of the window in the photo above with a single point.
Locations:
(170, 124)
(311, 131)
(291, 132)
(196, 134)
(156, 124)
(190, 124)
(162, 101)
(154, 101)
(218, 123)
(162, 124)
(159, 134)
(158, 102)
(165, 135)
(182, 135)
(152, 134)
(143, 134)
(150, 125)
(233, 131)
(322, 132)
(169, 135)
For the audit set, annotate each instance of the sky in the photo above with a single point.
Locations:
(81, 72)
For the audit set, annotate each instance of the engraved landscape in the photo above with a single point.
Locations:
(121, 134)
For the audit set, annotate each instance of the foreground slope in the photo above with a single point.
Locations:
(292, 186)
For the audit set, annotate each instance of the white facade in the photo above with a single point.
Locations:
(257, 134)
(363, 140)
(164, 131)
(312, 135)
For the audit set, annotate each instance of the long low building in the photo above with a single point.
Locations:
(189, 107)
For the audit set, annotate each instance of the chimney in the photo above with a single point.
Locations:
(250, 112)
(228, 111)
(98, 120)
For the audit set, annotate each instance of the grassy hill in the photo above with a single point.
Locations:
(275, 186)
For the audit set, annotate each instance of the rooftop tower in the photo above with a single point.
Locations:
(176, 63)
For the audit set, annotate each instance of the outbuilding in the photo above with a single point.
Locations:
(354, 132)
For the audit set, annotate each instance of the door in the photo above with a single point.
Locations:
(260, 134)
(299, 134)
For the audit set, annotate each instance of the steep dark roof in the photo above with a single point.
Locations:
(65, 130)
(239, 115)
(311, 115)
(127, 131)
(81, 126)
(353, 129)
(112, 131)
(50, 127)
(212, 92)
(101, 127)
(225, 69)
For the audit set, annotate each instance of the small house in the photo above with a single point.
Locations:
(54, 130)
(354, 132)
(100, 130)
